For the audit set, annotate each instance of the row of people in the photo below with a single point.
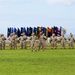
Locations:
(53, 41)
(62, 39)
(13, 39)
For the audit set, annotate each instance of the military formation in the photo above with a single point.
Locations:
(34, 46)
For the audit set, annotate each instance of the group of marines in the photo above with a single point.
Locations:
(42, 41)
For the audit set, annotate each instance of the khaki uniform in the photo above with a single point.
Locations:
(63, 41)
(42, 42)
(45, 42)
(16, 39)
(0, 42)
(13, 41)
(10, 42)
(53, 42)
(33, 42)
(71, 42)
(24, 41)
(3, 42)
(21, 42)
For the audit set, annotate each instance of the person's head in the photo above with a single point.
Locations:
(33, 34)
(11, 35)
(62, 35)
(71, 34)
(22, 34)
(2, 35)
(53, 35)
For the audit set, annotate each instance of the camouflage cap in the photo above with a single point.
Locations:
(23, 34)
(2, 34)
(62, 34)
(33, 33)
(53, 34)
(71, 34)
(11, 34)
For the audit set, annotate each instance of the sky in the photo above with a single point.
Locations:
(47, 13)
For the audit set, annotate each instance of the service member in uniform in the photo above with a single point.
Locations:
(45, 41)
(71, 41)
(24, 41)
(3, 41)
(63, 41)
(21, 41)
(41, 41)
(0, 42)
(33, 39)
(16, 40)
(13, 40)
(10, 41)
(53, 41)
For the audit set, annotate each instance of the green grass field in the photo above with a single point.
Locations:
(48, 62)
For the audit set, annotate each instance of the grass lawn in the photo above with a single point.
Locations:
(48, 62)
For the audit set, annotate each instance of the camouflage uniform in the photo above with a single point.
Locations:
(24, 42)
(63, 41)
(21, 41)
(16, 39)
(33, 42)
(45, 41)
(41, 41)
(10, 41)
(71, 41)
(13, 40)
(53, 41)
(0, 42)
(3, 41)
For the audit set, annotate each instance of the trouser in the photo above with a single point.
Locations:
(45, 44)
(10, 45)
(63, 45)
(41, 44)
(33, 45)
(24, 45)
(54, 45)
(13, 44)
(71, 45)
(21, 44)
(0, 46)
(3, 45)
